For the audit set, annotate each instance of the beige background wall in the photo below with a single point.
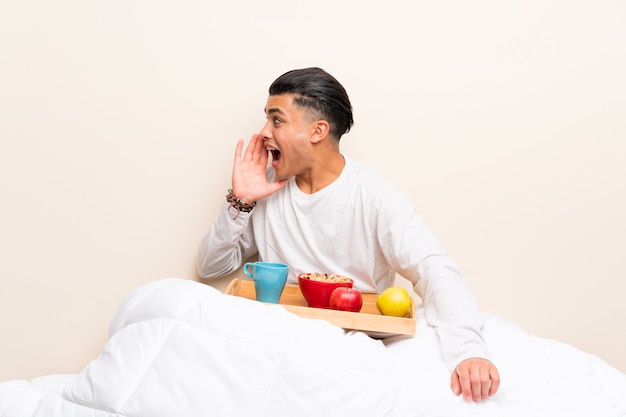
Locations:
(503, 121)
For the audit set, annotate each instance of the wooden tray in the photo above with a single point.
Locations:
(368, 320)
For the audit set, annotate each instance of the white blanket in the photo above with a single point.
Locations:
(181, 348)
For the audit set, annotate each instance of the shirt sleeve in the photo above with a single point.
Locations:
(451, 309)
(413, 251)
(227, 243)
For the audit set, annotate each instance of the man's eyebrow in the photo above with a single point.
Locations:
(273, 110)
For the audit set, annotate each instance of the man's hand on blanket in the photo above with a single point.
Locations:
(476, 379)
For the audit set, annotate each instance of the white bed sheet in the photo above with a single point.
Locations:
(182, 348)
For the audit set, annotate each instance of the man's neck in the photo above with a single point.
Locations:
(321, 174)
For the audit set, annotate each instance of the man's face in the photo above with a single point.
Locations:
(286, 134)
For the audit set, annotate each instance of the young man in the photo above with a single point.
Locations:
(318, 211)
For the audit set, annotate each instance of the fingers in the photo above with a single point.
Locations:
(456, 383)
(483, 384)
(249, 180)
(477, 379)
(469, 389)
(255, 151)
(252, 151)
(238, 151)
(240, 155)
(495, 380)
(259, 151)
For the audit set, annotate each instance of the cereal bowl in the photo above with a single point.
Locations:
(316, 287)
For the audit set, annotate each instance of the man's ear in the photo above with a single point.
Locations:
(319, 130)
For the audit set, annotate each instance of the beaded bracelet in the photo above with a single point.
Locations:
(238, 204)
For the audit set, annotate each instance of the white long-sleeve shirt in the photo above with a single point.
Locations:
(359, 226)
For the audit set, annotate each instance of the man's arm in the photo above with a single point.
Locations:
(450, 308)
(230, 240)
(226, 244)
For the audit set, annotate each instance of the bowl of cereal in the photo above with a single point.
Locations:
(316, 287)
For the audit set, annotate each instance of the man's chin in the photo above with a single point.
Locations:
(283, 178)
(280, 176)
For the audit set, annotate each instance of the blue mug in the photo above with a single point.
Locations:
(269, 279)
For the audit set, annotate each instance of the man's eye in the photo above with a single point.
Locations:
(277, 121)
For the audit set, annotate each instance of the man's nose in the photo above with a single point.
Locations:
(265, 132)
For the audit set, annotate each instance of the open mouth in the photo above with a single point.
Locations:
(275, 156)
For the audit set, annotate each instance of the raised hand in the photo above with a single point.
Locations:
(249, 178)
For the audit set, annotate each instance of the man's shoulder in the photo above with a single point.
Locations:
(360, 169)
(361, 174)
(374, 184)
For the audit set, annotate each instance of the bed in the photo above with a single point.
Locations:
(182, 348)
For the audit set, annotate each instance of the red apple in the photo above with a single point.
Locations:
(346, 299)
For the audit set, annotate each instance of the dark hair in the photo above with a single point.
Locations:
(317, 90)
